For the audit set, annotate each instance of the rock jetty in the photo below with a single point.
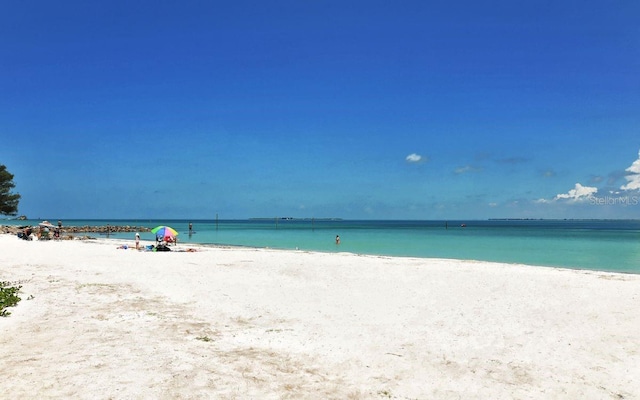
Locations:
(104, 229)
(100, 229)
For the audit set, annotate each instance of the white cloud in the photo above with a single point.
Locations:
(578, 193)
(633, 179)
(582, 193)
(414, 158)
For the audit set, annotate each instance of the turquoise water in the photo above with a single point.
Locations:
(604, 245)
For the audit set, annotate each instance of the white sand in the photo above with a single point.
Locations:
(264, 324)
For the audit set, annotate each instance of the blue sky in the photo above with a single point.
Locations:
(351, 109)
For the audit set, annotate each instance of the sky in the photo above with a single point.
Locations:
(327, 109)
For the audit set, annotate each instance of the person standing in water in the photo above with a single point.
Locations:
(337, 239)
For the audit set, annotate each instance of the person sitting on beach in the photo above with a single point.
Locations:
(24, 235)
(43, 233)
(162, 247)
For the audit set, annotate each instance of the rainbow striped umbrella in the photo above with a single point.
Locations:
(163, 232)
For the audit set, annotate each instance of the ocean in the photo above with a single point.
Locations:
(605, 245)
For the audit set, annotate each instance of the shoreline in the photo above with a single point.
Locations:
(240, 246)
(399, 257)
(472, 260)
(229, 322)
(588, 245)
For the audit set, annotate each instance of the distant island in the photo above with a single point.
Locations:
(293, 219)
(516, 219)
(20, 218)
(561, 219)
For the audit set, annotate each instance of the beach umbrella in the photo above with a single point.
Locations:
(46, 224)
(163, 231)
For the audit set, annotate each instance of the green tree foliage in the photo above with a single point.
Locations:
(8, 200)
(8, 297)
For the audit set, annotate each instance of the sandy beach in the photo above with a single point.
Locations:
(99, 322)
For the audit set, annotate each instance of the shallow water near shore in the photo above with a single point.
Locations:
(605, 245)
